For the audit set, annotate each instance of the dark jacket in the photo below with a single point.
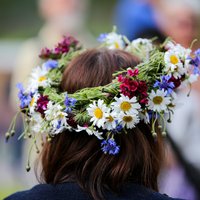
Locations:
(71, 191)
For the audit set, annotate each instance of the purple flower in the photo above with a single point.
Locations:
(69, 103)
(165, 84)
(109, 146)
(51, 64)
(119, 127)
(59, 124)
(153, 115)
(102, 37)
(196, 62)
(24, 98)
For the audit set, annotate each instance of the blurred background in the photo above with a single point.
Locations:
(27, 26)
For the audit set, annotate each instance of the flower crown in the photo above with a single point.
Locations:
(146, 93)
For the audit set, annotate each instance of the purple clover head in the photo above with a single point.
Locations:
(109, 146)
(102, 37)
(51, 64)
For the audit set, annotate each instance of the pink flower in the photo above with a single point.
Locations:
(62, 47)
(132, 73)
(120, 78)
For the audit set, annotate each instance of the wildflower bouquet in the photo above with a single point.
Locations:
(146, 92)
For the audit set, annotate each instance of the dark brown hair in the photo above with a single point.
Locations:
(77, 157)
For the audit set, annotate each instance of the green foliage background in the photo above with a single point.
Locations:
(20, 18)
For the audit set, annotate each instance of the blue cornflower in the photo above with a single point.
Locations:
(153, 115)
(165, 84)
(25, 99)
(59, 124)
(109, 146)
(69, 103)
(119, 127)
(51, 64)
(196, 62)
(102, 37)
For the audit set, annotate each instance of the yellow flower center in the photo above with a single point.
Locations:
(127, 119)
(32, 101)
(125, 106)
(157, 100)
(116, 45)
(42, 78)
(110, 118)
(173, 59)
(98, 113)
(61, 115)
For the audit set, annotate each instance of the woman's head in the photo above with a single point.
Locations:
(76, 156)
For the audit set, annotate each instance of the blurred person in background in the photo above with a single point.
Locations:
(178, 19)
(61, 17)
(137, 18)
(181, 175)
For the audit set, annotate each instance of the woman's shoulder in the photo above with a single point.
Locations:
(51, 192)
(72, 191)
(139, 192)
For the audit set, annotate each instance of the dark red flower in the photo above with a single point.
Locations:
(142, 86)
(131, 88)
(133, 85)
(42, 104)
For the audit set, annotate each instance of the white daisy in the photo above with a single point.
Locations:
(126, 105)
(38, 78)
(114, 41)
(110, 123)
(56, 117)
(173, 64)
(128, 120)
(158, 101)
(53, 111)
(33, 103)
(184, 53)
(98, 111)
